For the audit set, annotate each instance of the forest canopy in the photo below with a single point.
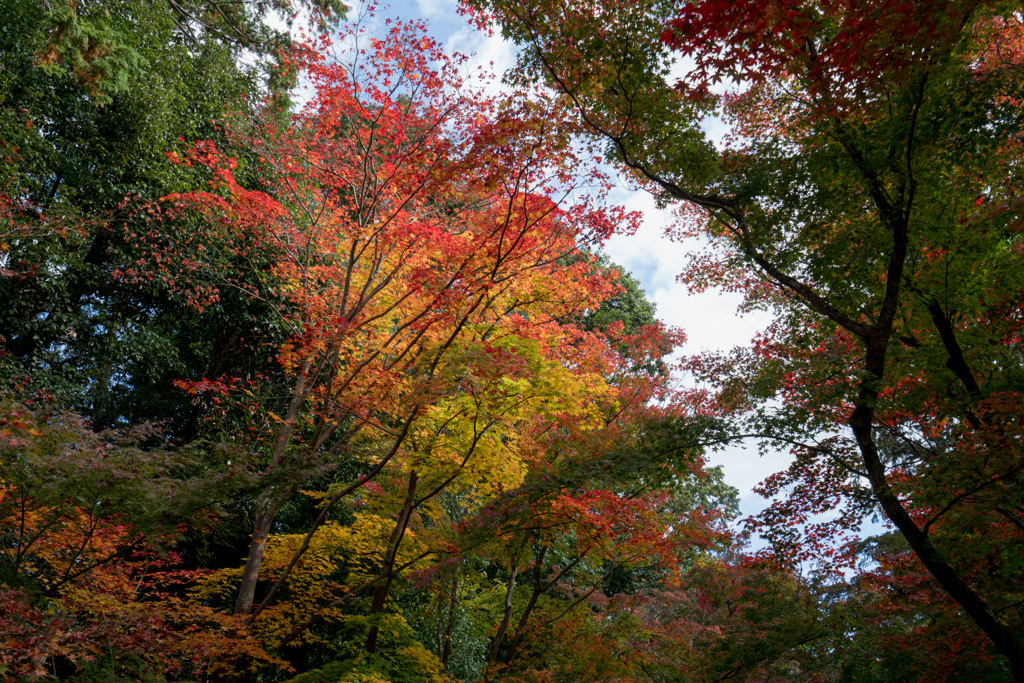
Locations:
(312, 367)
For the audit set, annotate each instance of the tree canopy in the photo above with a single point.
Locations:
(312, 367)
(867, 196)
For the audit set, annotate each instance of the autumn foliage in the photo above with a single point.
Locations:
(312, 368)
(866, 196)
(432, 417)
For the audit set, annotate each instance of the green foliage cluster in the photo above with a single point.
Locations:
(92, 99)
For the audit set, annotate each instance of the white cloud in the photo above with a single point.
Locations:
(490, 56)
(710, 320)
(431, 9)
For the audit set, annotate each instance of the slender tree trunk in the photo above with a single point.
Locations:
(272, 499)
(538, 590)
(380, 593)
(268, 504)
(492, 650)
(446, 652)
(439, 635)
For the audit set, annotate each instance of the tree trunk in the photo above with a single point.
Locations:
(271, 499)
(380, 593)
(492, 650)
(268, 504)
(861, 423)
(538, 590)
(446, 652)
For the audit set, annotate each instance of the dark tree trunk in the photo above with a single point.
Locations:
(446, 650)
(380, 593)
(861, 423)
(268, 504)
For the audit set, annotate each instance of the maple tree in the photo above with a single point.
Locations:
(406, 296)
(419, 236)
(722, 619)
(90, 522)
(867, 197)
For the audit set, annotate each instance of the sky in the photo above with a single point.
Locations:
(710, 319)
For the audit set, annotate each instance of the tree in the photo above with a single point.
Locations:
(723, 619)
(892, 262)
(417, 244)
(602, 511)
(93, 95)
(90, 520)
